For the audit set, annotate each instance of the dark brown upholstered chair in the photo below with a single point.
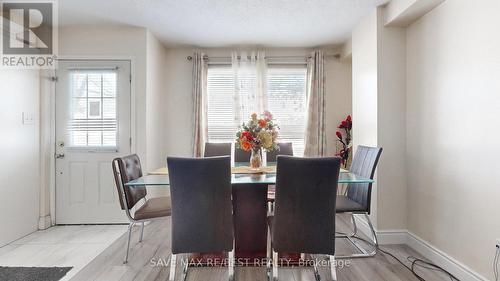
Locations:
(202, 220)
(357, 201)
(217, 149)
(241, 156)
(126, 169)
(304, 216)
(285, 148)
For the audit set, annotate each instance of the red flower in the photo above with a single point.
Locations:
(262, 123)
(246, 135)
(339, 135)
(342, 125)
(349, 118)
(246, 146)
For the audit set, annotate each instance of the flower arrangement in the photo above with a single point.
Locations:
(257, 134)
(345, 140)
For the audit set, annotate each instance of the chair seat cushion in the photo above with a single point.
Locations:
(154, 208)
(344, 204)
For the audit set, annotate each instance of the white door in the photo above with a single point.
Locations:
(92, 128)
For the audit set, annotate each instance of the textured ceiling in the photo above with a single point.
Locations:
(222, 23)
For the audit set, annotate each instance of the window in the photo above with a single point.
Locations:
(93, 117)
(286, 96)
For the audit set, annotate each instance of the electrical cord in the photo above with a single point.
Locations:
(495, 263)
(422, 263)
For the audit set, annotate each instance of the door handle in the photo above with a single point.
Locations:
(59, 155)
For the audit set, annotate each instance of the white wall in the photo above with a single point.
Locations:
(179, 103)
(364, 90)
(379, 101)
(453, 117)
(156, 85)
(364, 81)
(338, 97)
(391, 125)
(19, 179)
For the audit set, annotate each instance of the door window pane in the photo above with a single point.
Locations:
(93, 115)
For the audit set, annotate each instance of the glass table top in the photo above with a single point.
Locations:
(163, 180)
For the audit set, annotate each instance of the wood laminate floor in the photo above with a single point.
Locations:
(108, 266)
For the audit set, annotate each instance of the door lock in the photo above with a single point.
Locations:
(59, 155)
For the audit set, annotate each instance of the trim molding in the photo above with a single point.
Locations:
(423, 247)
(44, 222)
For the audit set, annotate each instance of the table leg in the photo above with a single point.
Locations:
(250, 222)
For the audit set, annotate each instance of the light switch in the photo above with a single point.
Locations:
(28, 118)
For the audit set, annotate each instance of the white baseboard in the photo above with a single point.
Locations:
(437, 256)
(44, 222)
(426, 249)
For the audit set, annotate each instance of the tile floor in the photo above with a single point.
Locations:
(75, 246)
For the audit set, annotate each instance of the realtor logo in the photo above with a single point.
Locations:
(28, 34)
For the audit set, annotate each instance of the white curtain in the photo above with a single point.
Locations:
(200, 101)
(315, 137)
(250, 82)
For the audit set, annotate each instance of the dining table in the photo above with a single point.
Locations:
(250, 204)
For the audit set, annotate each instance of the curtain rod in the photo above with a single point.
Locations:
(266, 57)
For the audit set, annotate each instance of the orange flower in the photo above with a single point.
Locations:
(262, 123)
(245, 145)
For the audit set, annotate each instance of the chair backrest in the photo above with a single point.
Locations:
(200, 190)
(363, 164)
(126, 169)
(285, 148)
(304, 216)
(217, 149)
(241, 155)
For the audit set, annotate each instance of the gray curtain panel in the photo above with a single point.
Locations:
(200, 102)
(315, 137)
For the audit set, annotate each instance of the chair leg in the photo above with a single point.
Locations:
(173, 262)
(355, 243)
(353, 232)
(333, 268)
(268, 254)
(317, 276)
(374, 235)
(128, 241)
(184, 271)
(355, 227)
(275, 266)
(142, 232)
(230, 265)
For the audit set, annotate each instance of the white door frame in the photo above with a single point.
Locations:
(51, 96)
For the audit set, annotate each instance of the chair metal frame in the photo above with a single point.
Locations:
(273, 258)
(132, 221)
(173, 265)
(353, 238)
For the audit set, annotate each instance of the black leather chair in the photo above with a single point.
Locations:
(217, 149)
(126, 169)
(241, 155)
(202, 220)
(357, 200)
(284, 148)
(304, 216)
